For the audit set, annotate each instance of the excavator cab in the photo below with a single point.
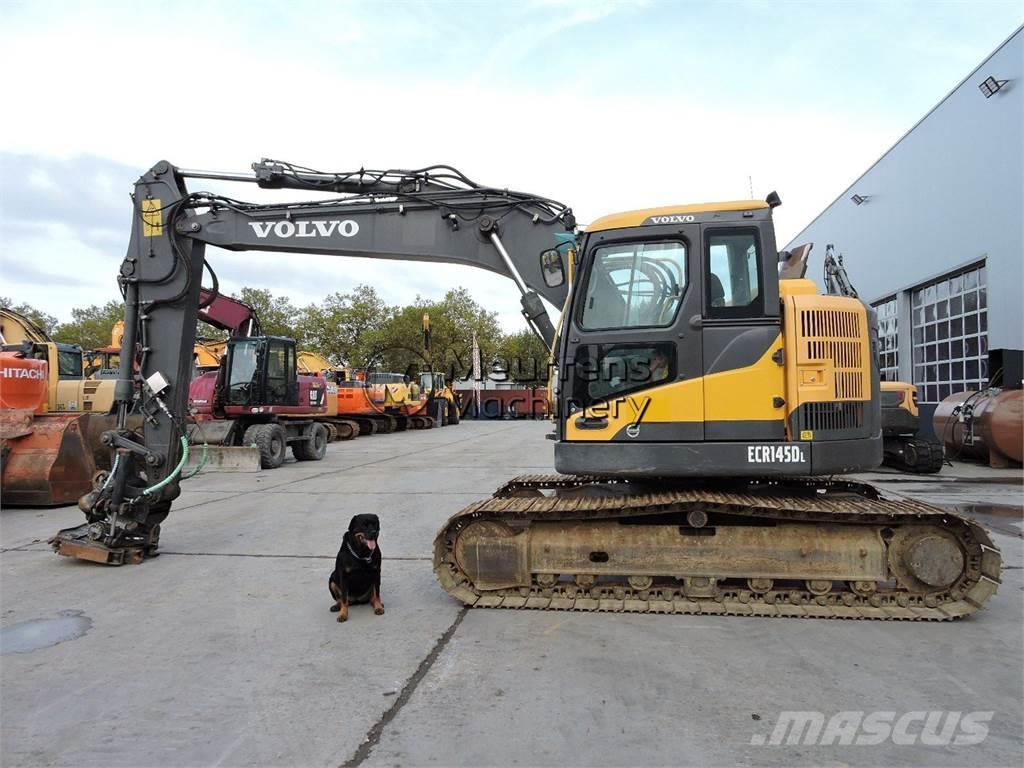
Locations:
(261, 371)
(431, 384)
(684, 354)
(65, 358)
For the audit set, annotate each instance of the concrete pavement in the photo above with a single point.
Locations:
(222, 650)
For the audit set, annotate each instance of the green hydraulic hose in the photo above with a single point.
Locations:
(200, 465)
(112, 472)
(171, 476)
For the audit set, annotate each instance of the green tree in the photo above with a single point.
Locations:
(90, 327)
(45, 321)
(278, 316)
(523, 358)
(399, 342)
(344, 326)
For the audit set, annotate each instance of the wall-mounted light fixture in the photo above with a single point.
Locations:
(990, 85)
(860, 199)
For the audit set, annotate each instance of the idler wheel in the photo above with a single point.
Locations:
(492, 554)
(925, 559)
(934, 559)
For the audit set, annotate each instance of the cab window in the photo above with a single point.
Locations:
(278, 366)
(243, 363)
(605, 371)
(635, 285)
(733, 267)
(69, 364)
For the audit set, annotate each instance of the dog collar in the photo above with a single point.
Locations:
(356, 554)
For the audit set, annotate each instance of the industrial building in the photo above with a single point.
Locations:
(933, 236)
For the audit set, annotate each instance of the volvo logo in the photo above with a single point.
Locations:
(673, 219)
(633, 430)
(286, 229)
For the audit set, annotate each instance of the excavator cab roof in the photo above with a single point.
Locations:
(666, 214)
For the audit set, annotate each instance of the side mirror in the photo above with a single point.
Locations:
(552, 267)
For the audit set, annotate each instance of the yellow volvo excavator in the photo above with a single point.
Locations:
(707, 402)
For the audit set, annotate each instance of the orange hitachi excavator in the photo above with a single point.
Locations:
(51, 417)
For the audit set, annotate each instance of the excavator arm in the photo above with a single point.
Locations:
(434, 214)
(228, 314)
(837, 282)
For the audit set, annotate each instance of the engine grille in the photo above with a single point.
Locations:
(831, 417)
(831, 334)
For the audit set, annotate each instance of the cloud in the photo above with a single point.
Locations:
(20, 273)
(65, 223)
(605, 106)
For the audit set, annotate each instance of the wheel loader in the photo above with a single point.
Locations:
(708, 401)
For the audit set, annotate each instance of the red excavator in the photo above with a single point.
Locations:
(257, 399)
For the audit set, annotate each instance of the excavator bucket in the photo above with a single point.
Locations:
(47, 460)
(209, 437)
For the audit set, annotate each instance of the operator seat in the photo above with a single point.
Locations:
(717, 291)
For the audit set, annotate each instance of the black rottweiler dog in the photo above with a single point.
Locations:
(356, 576)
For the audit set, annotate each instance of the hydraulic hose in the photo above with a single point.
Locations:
(200, 465)
(112, 472)
(174, 473)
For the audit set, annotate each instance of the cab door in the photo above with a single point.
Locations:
(742, 344)
(632, 356)
(282, 386)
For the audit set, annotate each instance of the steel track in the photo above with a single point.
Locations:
(521, 501)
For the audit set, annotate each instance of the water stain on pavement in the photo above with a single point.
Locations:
(1005, 518)
(32, 635)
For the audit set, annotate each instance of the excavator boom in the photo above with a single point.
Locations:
(434, 214)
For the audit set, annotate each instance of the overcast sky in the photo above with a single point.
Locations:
(604, 106)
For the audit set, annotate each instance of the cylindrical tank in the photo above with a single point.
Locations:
(998, 425)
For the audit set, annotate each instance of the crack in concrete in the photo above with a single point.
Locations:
(373, 735)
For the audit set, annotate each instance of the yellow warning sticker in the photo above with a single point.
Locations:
(806, 434)
(152, 218)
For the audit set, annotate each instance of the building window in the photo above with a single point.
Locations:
(888, 358)
(950, 341)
